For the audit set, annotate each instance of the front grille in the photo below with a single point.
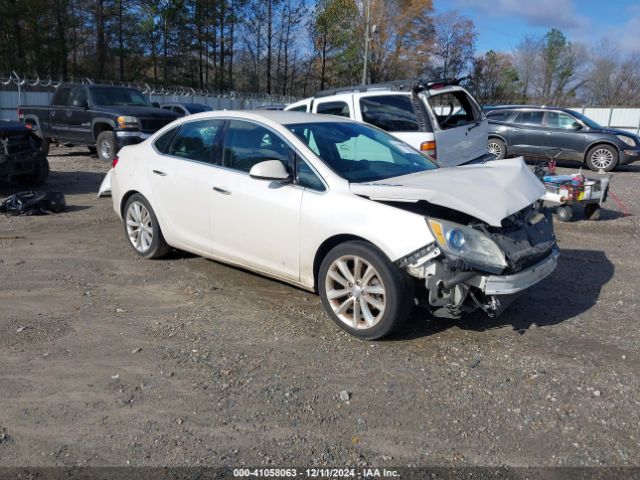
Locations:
(152, 125)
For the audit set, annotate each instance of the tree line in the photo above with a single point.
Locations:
(296, 47)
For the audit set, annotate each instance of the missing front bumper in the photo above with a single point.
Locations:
(510, 284)
(468, 291)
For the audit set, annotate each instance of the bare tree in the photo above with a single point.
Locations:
(455, 37)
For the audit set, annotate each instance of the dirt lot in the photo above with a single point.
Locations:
(109, 359)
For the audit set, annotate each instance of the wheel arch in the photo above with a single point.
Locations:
(100, 125)
(126, 197)
(498, 137)
(331, 242)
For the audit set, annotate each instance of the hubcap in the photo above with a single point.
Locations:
(139, 227)
(355, 292)
(602, 158)
(494, 149)
(106, 150)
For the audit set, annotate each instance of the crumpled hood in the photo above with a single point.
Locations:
(489, 192)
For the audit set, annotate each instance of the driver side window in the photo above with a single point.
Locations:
(247, 144)
(306, 177)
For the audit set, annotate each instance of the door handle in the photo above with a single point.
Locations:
(222, 191)
(160, 172)
(516, 129)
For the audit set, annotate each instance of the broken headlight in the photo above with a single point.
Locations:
(474, 247)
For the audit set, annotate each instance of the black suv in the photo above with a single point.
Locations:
(539, 132)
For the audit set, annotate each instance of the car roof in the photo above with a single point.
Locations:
(527, 107)
(180, 104)
(278, 116)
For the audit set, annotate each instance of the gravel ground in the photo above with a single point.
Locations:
(109, 359)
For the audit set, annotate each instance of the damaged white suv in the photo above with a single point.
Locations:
(340, 207)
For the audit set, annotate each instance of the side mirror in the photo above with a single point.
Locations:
(576, 126)
(156, 104)
(269, 170)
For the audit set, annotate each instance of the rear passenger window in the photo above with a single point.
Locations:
(530, 118)
(393, 113)
(196, 141)
(340, 109)
(163, 141)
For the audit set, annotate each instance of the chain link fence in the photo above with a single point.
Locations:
(16, 90)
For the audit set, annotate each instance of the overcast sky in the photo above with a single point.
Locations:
(502, 23)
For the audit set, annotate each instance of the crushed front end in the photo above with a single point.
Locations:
(473, 265)
(19, 150)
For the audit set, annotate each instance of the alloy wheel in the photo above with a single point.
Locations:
(139, 227)
(495, 149)
(106, 151)
(355, 292)
(602, 158)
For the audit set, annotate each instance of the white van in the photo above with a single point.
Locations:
(441, 119)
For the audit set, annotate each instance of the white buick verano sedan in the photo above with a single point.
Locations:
(337, 207)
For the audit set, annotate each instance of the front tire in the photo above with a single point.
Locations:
(497, 147)
(602, 157)
(362, 291)
(106, 146)
(142, 229)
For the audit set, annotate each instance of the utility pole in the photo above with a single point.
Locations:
(367, 29)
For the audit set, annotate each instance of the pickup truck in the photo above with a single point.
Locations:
(102, 117)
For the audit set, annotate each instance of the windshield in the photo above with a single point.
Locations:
(360, 153)
(586, 120)
(111, 97)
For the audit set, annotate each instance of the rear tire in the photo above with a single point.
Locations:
(142, 228)
(106, 146)
(39, 174)
(497, 147)
(363, 292)
(603, 157)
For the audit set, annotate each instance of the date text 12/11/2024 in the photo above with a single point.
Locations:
(315, 472)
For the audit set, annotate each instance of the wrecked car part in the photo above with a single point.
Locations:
(34, 203)
(477, 266)
(512, 185)
(21, 159)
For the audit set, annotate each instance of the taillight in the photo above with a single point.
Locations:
(114, 162)
(429, 148)
(29, 126)
(20, 115)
